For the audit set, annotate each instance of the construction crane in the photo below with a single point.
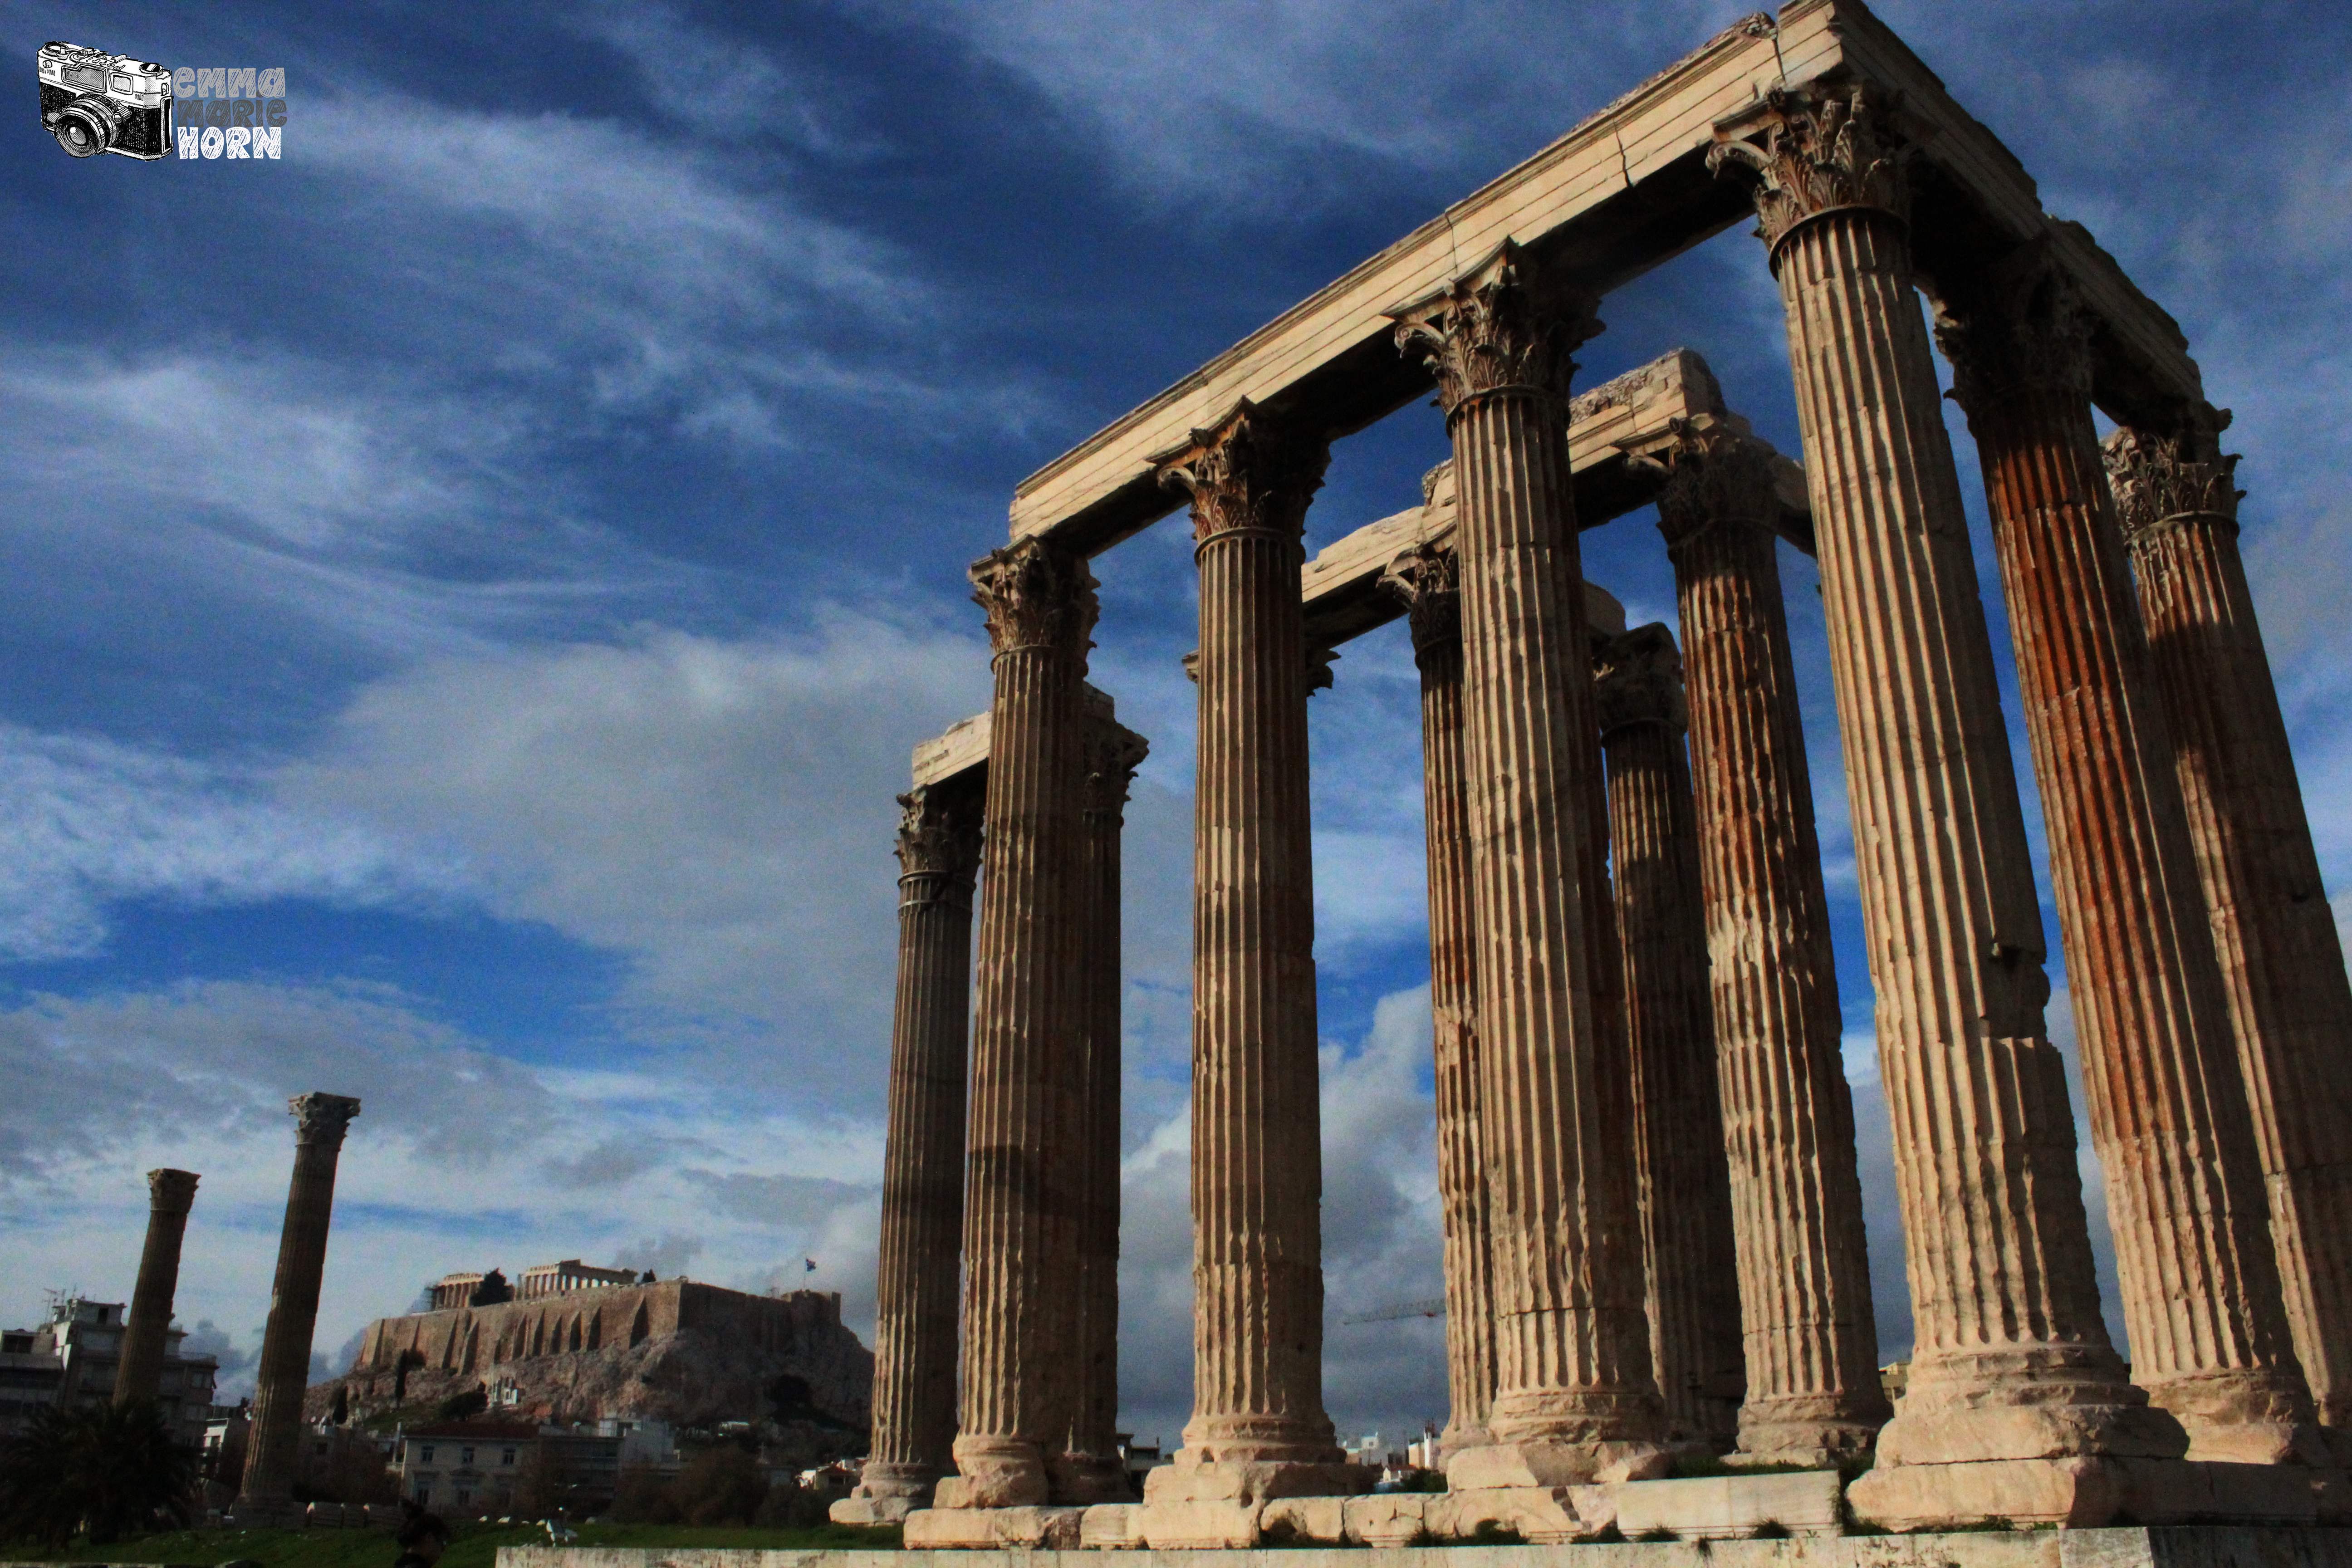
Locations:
(1434, 1308)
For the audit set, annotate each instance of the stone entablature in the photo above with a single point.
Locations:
(561, 1279)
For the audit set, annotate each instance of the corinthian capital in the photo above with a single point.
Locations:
(1427, 580)
(1254, 473)
(1505, 325)
(1037, 595)
(2160, 478)
(323, 1118)
(171, 1192)
(938, 832)
(1715, 473)
(2020, 324)
(1113, 753)
(1637, 678)
(1819, 154)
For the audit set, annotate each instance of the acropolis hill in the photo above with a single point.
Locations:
(677, 1351)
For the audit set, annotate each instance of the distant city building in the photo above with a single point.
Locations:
(70, 1359)
(476, 1467)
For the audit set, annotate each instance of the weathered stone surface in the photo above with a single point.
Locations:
(1427, 579)
(1685, 1191)
(2274, 930)
(1389, 1519)
(170, 1195)
(1196, 1525)
(1572, 1375)
(1301, 1519)
(966, 1527)
(1256, 1173)
(1717, 1507)
(923, 1158)
(2137, 1547)
(676, 1351)
(280, 1381)
(2011, 1358)
(1021, 1200)
(1810, 1339)
(2168, 1109)
(1111, 1526)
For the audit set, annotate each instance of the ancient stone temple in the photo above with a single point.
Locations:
(1653, 1224)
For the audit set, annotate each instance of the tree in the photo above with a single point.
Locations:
(100, 1468)
(722, 1485)
(491, 1291)
(458, 1406)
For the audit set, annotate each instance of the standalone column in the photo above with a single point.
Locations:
(1574, 1399)
(1020, 1215)
(170, 1195)
(2011, 1361)
(2272, 927)
(2201, 1292)
(1426, 579)
(923, 1161)
(1670, 1035)
(1812, 1341)
(1258, 1428)
(1113, 753)
(284, 1373)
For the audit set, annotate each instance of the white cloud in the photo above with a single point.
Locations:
(93, 821)
(721, 813)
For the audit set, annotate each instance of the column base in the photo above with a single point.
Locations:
(1084, 1479)
(881, 1507)
(985, 1529)
(2080, 1491)
(1817, 1432)
(1191, 1479)
(995, 1473)
(2034, 1403)
(1554, 1463)
(2245, 1416)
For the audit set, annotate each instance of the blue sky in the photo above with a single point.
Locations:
(471, 585)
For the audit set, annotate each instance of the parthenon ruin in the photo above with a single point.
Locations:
(1653, 1222)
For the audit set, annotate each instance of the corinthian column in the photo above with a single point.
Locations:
(2274, 930)
(2011, 1361)
(1258, 1428)
(284, 1373)
(1812, 1341)
(1670, 1035)
(923, 1161)
(1020, 1203)
(1427, 580)
(2201, 1292)
(1092, 1460)
(1574, 1400)
(170, 1195)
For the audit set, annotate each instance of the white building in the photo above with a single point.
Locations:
(71, 1360)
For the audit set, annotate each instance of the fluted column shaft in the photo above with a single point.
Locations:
(1574, 1396)
(2273, 930)
(2168, 1109)
(283, 1374)
(1113, 754)
(1020, 1198)
(1685, 1186)
(1811, 1336)
(1258, 1180)
(140, 1374)
(1428, 581)
(2011, 1360)
(923, 1159)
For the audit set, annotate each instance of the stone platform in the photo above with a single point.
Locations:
(2177, 1546)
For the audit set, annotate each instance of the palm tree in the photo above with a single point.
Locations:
(100, 1468)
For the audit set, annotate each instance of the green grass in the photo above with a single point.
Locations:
(475, 1546)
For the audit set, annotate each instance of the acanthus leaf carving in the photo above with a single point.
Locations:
(1819, 154)
(1638, 679)
(1714, 472)
(323, 1118)
(1427, 580)
(1505, 325)
(1254, 472)
(1037, 594)
(2160, 477)
(1113, 753)
(938, 832)
(2020, 323)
